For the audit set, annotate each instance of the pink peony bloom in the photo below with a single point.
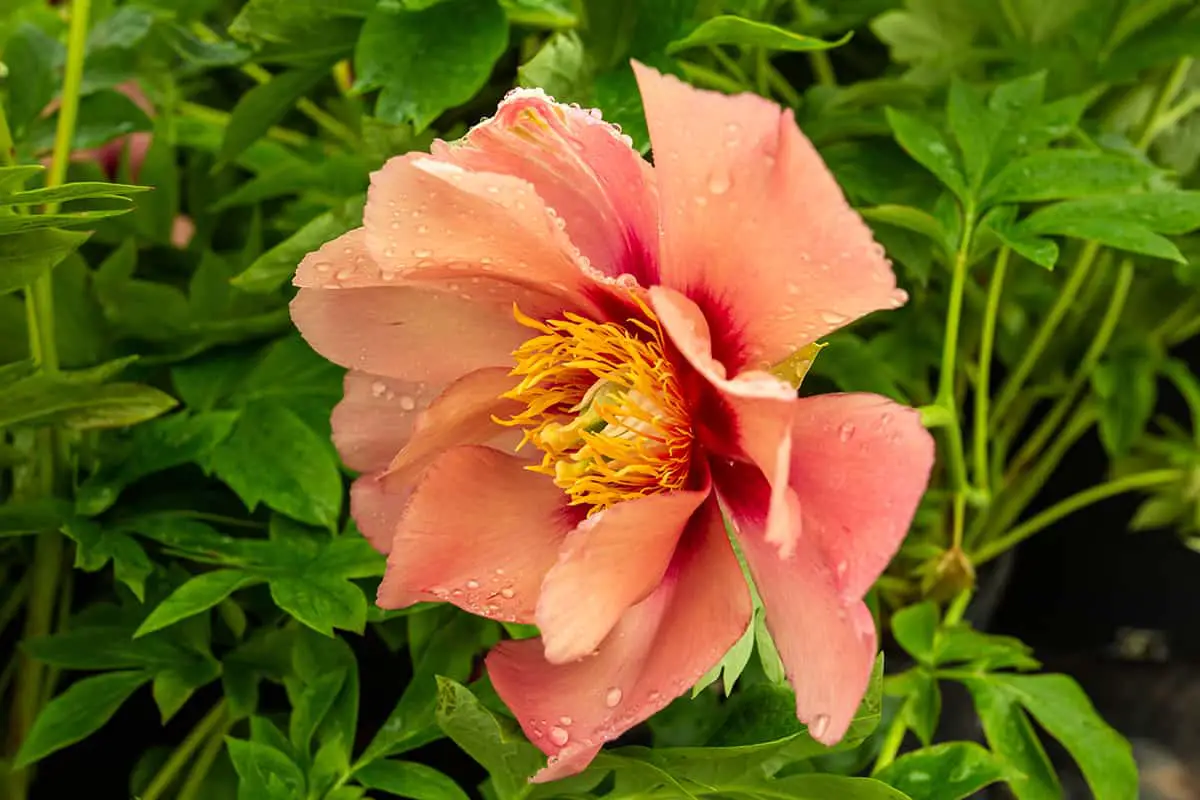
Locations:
(650, 303)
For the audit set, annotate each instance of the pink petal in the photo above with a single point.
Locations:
(749, 416)
(754, 228)
(406, 332)
(375, 418)
(827, 643)
(462, 414)
(429, 219)
(860, 464)
(581, 167)
(480, 532)
(608, 563)
(377, 508)
(658, 649)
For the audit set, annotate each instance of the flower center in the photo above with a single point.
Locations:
(603, 404)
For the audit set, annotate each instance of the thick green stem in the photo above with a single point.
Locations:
(1171, 86)
(46, 570)
(822, 67)
(1066, 297)
(182, 756)
(190, 790)
(893, 738)
(1094, 494)
(983, 386)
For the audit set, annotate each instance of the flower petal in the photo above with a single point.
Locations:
(755, 229)
(658, 649)
(748, 416)
(827, 644)
(429, 219)
(375, 418)
(608, 563)
(860, 464)
(406, 332)
(480, 532)
(377, 508)
(582, 167)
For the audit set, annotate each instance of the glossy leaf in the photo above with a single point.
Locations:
(496, 743)
(915, 628)
(727, 29)
(26, 256)
(409, 779)
(952, 771)
(1057, 174)
(198, 594)
(265, 773)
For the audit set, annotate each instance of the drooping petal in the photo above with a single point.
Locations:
(611, 561)
(581, 167)
(375, 418)
(480, 531)
(755, 229)
(406, 332)
(860, 464)
(658, 650)
(748, 416)
(428, 219)
(827, 643)
(377, 508)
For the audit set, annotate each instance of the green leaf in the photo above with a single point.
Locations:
(98, 544)
(1011, 736)
(924, 707)
(264, 772)
(1127, 387)
(30, 54)
(1057, 174)
(27, 255)
(1118, 232)
(14, 177)
(912, 219)
(975, 128)
(83, 190)
(175, 686)
(264, 105)
(818, 787)
(30, 222)
(280, 21)
(409, 779)
(310, 703)
(198, 594)
(53, 399)
(1001, 220)
(495, 743)
(962, 643)
(726, 29)
(427, 61)
(928, 148)
(1061, 707)
(1170, 212)
(273, 457)
(103, 116)
(560, 67)
(276, 266)
(20, 518)
(951, 771)
(915, 627)
(78, 713)
(322, 603)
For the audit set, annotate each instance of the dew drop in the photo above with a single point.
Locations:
(499, 570)
(613, 698)
(407, 403)
(819, 725)
(421, 252)
(343, 274)
(472, 584)
(559, 736)
(718, 183)
(833, 318)
(378, 388)
(841, 568)
(324, 266)
(508, 593)
(701, 200)
(846, 431)
(422, 229)
(565, 720)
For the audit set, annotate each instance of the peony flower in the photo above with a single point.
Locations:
(538, 284)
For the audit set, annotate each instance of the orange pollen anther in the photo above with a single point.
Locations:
(604, 405)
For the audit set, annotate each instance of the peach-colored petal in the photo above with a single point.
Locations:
(860, 464)
(658, 649)
(748, 416)
(754, 228)
(462, 414)
(611, 561)
(429, 219)
(480, 531)
(406, 332)
(375, 418)
(376, 508)
(581, 167)
(827, 643)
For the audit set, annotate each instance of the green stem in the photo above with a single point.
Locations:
(1012, 386)
(190, 790)
(731, 66)
(945, 391)
(704, 76)
(39, 301)
(1091, 358)
(1093, 494)
(1012, 18)
(1171, 86)
(893, 738)
(218, 118)
(822, 67)
(182, 755)
(983, 384)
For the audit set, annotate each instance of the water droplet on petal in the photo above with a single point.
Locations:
(508, 593)
(833, 318)
(841, 568)
(407, 403)
(421, 252)
(324, 266)
(819, 725)
(718, 182)
(565, 720)
(846, 431)
(472, 584)
(613, 698)
(559, 736)
(378, 388)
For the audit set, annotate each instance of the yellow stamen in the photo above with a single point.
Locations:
(603, 404)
